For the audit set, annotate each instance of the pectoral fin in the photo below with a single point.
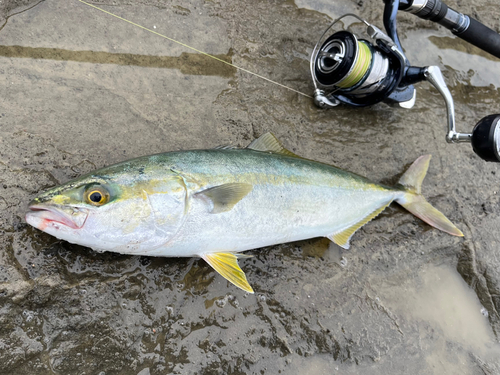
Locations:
(227, 265)
(224, 197)
(343, 237)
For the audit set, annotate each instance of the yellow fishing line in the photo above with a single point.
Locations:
(194, 49)
(360, 67)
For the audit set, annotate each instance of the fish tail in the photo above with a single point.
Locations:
(414, 202)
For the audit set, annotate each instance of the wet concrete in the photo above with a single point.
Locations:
(80, 90)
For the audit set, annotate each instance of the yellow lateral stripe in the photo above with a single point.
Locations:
(342, 238)
(226, 264)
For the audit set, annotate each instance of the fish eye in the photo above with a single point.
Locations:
(96, 195)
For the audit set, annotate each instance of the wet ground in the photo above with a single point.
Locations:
(80, 90)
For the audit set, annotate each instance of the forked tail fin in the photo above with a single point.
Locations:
(414, 202)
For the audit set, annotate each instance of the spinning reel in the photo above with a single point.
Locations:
(360, 65)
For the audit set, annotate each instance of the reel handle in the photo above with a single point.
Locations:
(485, 136)
(435, 77)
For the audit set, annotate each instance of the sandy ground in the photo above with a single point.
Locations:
(80, 90)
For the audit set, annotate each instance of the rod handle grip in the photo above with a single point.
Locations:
(481, 36)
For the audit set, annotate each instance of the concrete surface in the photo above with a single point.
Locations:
(80, 90)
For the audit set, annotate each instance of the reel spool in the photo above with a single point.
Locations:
(355, 71)
(352, 67)
(343, 61)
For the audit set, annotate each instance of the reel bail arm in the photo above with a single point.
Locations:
(323, 101)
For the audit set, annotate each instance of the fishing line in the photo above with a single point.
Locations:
(196, 50)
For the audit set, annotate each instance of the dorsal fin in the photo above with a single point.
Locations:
(268, 142)
(225, 147)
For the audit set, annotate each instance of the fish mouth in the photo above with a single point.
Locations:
(41, 216)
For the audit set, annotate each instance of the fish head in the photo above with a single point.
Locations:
(127, 213)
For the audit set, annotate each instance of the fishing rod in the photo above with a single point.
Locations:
(362, 71)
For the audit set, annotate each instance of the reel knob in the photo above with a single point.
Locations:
(486, 138)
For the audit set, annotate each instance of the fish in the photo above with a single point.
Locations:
(217, 203)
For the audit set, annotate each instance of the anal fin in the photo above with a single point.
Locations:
(342, 238)
(227, 265)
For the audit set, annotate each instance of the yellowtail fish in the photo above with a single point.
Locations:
(217, 203)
